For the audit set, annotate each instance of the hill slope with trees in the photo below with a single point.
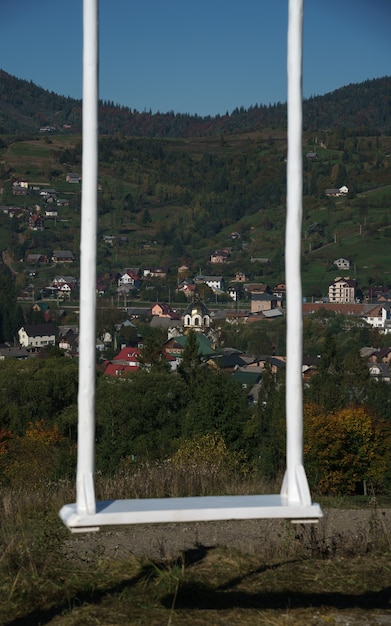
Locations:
(26, 107)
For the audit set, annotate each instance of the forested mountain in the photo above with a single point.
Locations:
(175, 188)
(25, 108)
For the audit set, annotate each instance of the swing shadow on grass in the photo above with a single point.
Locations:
(206, 583)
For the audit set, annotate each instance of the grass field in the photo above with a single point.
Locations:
(25, 149)
(295, 575)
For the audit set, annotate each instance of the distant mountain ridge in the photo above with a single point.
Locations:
(25, 108)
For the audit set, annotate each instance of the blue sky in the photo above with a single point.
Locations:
(195, 56)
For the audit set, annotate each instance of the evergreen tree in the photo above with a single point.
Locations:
(151, 354)
(191, 360)
(272, 425)
(216, 404)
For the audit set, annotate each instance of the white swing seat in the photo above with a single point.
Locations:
(91, 515)
(198, 509)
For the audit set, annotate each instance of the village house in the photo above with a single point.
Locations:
(257, 288)
(52, 212)
(379, 371)
(62, 256)
(175, 346)
(161, 309)
(35, 259)
(36, 221)
(68, 339)
(233, 292)
(127, 360)
(72, 178)
(21, 183)
(384, 355)
(48, 195)
(214, 282)
(219, 256)
(343, 263)
(64, 284)
(342, 290)
(33, 337)
(376, 355)
(335, 193)
(240, 277)
(379, 317)
(261, 302)
(188, 288)
(279, 290)
(17, 190)
(12, 352)
(155, 272)
(228, 360)
(129, 277)
(276, 364)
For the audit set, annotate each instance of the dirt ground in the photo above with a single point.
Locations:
(341, 532)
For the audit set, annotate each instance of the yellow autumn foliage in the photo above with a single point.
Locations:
(344, 448)
(39, 432)
(36, 456)
(206, 453)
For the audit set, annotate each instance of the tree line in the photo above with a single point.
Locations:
(148, 415)
(26, 107)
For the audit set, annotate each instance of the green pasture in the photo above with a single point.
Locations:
(370, 257)
(377, 195)
(25, 149)
(323, 153)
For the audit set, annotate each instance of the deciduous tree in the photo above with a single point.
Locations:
(343, 448)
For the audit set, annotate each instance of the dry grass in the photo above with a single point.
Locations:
(311, 577)
(166, 479)
(223, 587)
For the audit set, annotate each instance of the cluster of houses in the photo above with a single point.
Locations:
(244, 368)
(48, 196)
(375, 309)
(264, 302)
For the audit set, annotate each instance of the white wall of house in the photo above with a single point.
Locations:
(379, 319)
(40, 341)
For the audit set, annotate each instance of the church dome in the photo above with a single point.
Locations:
(197, 308)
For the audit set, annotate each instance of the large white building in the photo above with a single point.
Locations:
(342, 290)
(36, 336)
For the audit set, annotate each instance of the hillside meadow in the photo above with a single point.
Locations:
(174, 201)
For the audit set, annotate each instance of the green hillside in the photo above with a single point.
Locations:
(170, 201)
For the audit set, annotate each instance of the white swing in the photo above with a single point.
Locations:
(294, 500)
